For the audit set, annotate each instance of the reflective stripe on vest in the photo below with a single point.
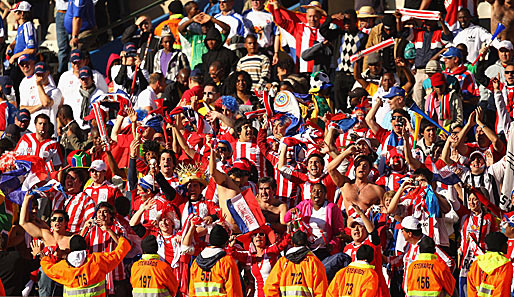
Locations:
(423, 293)
(150, 292)
(208, 289)
(485, 290)
(295, 291)
(90, 291)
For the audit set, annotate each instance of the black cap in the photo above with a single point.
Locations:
(496, 242)
(77, 243)
(358, 93)
(149, 245)
(389, 21)
(218, 236)
(366, 253)
(426, 245)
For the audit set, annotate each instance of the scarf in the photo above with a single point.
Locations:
(85, 108)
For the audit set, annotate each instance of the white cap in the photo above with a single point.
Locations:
(22, 6)
(365, 140)
(506, 44)
(98, 165)
(410, 223)
(477, 153)
(357, 220)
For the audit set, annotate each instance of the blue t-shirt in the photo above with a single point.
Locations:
(84, 9)
(25, 38)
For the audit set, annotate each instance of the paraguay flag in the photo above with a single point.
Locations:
(30, 170)
(246, 211)
(442, 172)
(285, 104)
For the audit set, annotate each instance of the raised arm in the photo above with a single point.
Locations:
(338, 178)
(391, 209)
(219, 177)
(461, 147)
(31, 228)
(357, 74)
(370, 117)
(498, 145)
(413, 162)
(367, 222)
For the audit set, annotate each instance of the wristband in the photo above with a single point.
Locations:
(75, 36)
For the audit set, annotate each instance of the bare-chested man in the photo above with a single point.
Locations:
(502, 11)
(360, 192)
(55, 235)
(274, 210)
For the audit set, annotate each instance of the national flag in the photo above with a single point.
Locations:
(420, 14)
(342, 124)
(418, 111)
(442, 172)
(53, 191)
(100, 121)
(351, 212)
(246, 212)
(285, 103)
(255, 113)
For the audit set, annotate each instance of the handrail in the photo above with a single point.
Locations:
(128, 18)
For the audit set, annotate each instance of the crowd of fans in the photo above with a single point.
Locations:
(250, 154)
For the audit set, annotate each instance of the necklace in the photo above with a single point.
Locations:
(360, 189)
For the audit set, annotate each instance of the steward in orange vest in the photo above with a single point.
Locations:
(150, 276)
(428, 276)
(82, 274)
(214, 273)
(491, 274)
(359, 279)
(299, 273)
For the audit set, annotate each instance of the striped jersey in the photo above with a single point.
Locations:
(49, 150)
(251, 151)
(80, 208)
(25, 38)
(100, 241)
(106, 192)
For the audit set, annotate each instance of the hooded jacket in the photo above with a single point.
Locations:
(298, 273)
(113, 57)
(490, 275)
(219, 53)
(213, 273)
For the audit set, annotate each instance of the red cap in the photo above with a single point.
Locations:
(243, 164)
(246, 239)
(437, 79)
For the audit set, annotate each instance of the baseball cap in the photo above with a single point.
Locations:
(506, 44)
(410, 223)
(196, 73)
(365, 140)
(23, 115)
(98, 165)
(437, 79)
(373, 58)
(243, 164)
(509, 218)
(76, 55)
(130, 48)
(85, 72)
(357, 220)
(452, 52)
(25, 58)
(395, 91)
(6, 83)
(40, 68)
(22, 6)
(475, 153)
(432, 67)
(358, 93)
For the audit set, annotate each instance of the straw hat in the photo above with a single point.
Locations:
(317, 6)
(366, 12)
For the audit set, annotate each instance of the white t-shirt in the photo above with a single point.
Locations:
(29, 96)
(146, 99)
(317, 222)
(261, 24)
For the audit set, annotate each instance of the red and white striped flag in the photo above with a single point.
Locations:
(372, 49)
(420, 14)
(101, 123)
(351, 212)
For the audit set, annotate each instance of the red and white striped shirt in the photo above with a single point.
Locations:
(305, 182)
(149, 217)
(80, 209)
(106, 192)
(100, 242)
(471, 227)
(343, 140)
(49, 150)
(251, 151)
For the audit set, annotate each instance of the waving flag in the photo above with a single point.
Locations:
(420, 14)
(442, 172)
(53, 191)
(246, 211)
(285, 103)
(342, 122)
(29, 171)
(417, 110)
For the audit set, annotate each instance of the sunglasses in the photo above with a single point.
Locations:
(75, 62)
(222, 149)
(396, 118)
(57, 219)
(24, 64)
(509, 72)
(259, 234)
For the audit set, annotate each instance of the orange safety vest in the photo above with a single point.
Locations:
(307, 278)
(88, 280)
(490, 276)
(222, 280)
(152, 277)
(359, 279)
(427, 276)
